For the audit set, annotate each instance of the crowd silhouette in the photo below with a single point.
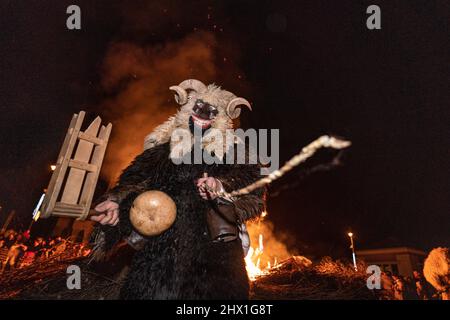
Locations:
(397, 287)
(19, 249)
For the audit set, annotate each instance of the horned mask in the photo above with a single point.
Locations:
(202, 106)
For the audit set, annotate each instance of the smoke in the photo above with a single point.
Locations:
(138, 77)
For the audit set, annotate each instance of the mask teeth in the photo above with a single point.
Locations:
(202, 123)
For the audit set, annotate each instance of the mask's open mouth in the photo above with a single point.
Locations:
(203, 114)
(201, 123)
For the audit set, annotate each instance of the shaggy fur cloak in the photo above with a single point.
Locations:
(183, 262)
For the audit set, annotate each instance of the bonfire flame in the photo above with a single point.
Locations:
(253, 261)
(256, 254)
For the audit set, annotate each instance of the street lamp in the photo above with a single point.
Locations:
(352, 246)
(53, 167)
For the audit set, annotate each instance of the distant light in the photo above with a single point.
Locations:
(53, 167)
(352, 246)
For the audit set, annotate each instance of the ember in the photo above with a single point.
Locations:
(25, 262)
(299, 278)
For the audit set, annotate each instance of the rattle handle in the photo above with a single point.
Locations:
(92, 212)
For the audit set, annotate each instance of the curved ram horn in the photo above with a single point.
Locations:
(181, 96)
(233, 111)
(193, 84)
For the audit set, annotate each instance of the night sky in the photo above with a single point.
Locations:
(308, 67)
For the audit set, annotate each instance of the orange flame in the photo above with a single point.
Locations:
(253, 261)
(262, 258)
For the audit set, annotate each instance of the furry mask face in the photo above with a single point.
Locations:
(208, 106)
(203, 114)
(202, 106)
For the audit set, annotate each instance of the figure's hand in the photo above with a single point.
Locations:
(212, 183)
(109, 213)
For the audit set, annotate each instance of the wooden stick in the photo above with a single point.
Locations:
(302, 156)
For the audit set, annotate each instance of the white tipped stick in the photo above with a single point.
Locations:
(38, 206)
(302, 156)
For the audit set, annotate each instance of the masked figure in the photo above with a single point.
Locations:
(201, 256)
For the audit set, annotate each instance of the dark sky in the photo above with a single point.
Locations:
(309, 68)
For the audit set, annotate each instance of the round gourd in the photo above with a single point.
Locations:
(153, 212)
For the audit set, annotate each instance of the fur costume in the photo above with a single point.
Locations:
(184, 262)
(436, 270)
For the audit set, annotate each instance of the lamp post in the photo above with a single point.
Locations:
(352, 246)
